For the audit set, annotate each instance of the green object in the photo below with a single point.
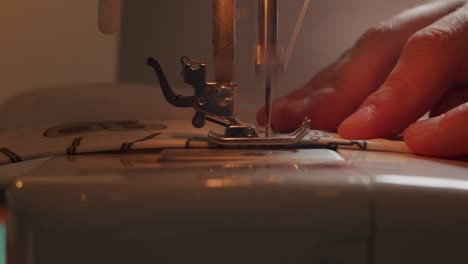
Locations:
(2, 243)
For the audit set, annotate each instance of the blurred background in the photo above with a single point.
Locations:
(55, 66)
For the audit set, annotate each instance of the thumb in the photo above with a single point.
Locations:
(444, 136)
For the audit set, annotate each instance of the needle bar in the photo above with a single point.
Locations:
(109, 16)
(223, 40)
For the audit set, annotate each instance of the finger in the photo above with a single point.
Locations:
(428, 65)
(443, 136)
(356, 74)
(386, 40)
(277, 108)
(451, 99)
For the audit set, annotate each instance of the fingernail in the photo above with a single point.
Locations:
(364, 114)
(425, 137)
(299, 105)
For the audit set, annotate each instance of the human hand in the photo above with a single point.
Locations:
(397, 71)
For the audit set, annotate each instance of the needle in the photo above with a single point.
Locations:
(268, 59)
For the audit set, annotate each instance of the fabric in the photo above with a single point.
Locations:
(78, 138)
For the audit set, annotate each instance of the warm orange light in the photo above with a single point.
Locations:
(19, 184)
(296, 166)
(215, 183)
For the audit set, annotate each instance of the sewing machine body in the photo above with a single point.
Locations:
(236, 206)
(224, 206)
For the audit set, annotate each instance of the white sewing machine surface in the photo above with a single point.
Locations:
(240, 205)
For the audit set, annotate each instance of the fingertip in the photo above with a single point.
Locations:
(326, 108)
(291, 115)
(420, 135)
(442, 136)
(261, 118)
(278, 120)
(285, 116)
(356, 126)
(276, 107)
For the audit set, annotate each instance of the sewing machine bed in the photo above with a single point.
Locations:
(178, 205)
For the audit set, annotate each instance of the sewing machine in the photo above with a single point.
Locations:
(240, 203)
(215, 101)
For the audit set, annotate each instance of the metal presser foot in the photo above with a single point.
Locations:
(215, 102)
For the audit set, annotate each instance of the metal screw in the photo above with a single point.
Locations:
(249, 132)
(201, 101)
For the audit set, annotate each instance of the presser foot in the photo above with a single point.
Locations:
(214, 102)
(243, 140)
